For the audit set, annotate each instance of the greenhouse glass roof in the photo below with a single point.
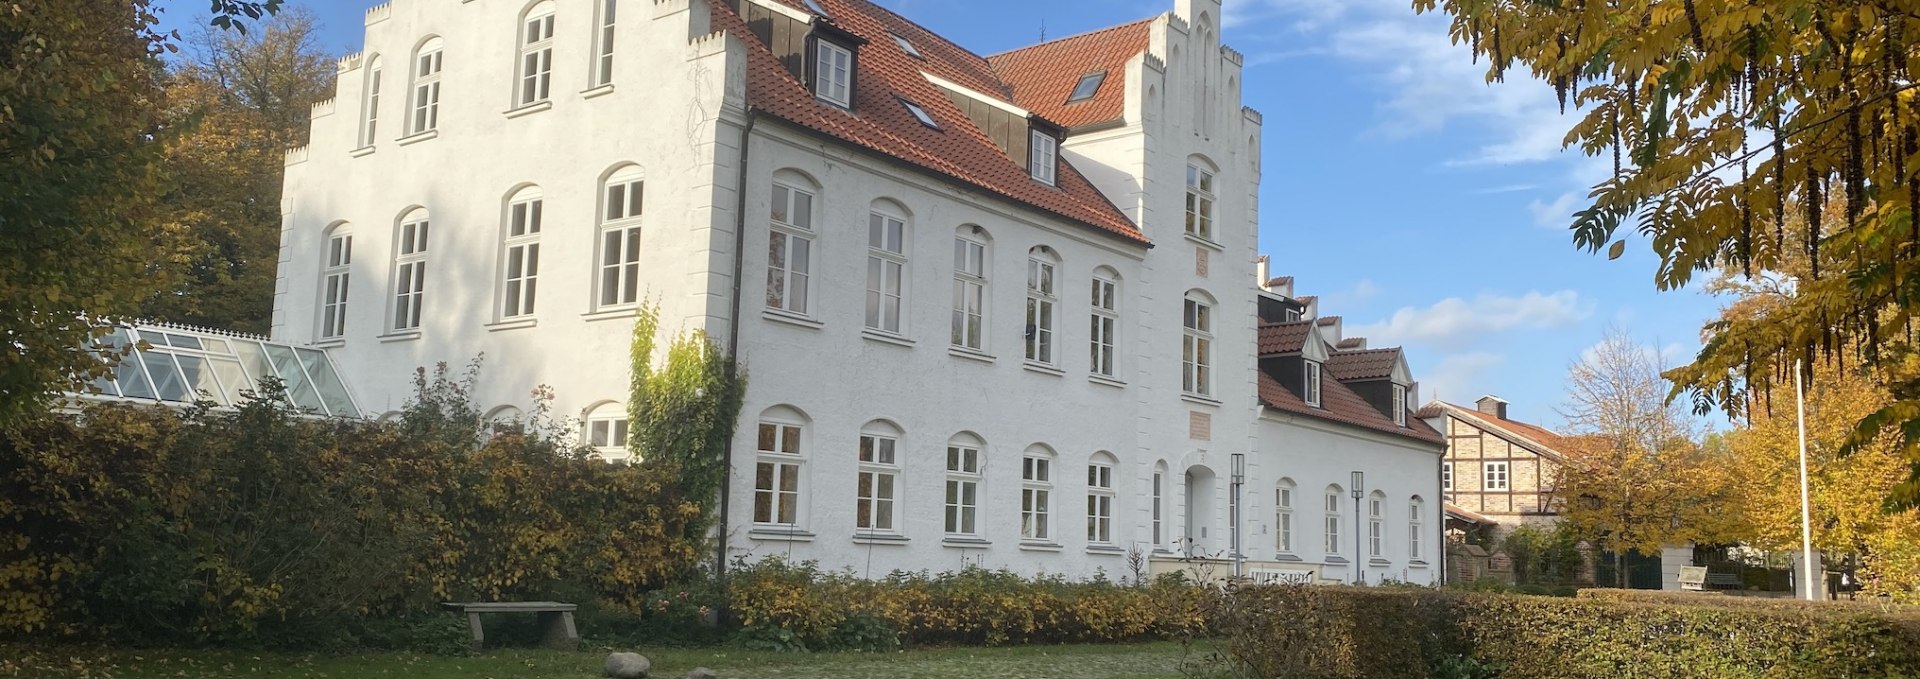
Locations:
(183, 365)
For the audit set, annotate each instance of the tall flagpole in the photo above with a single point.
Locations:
(1806, 511)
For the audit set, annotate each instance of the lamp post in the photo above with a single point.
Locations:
(1359, 488)
(1239, 477)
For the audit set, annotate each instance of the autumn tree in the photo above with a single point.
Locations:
(238, 101)
(1636, 478)
(1724, 118)
(80, 136)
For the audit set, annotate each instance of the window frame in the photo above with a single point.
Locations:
(411, 241)
(370, 104)
(1201, 200)
(1104, 331)
(886, 309)
(1315, 381)
(1446, 476)
(970, 293)
(605, 26)
(1043, 156)
(787, 236)
(823, 50)
(1416, 522)
(919, 113)
(786, 479)
(424, 96)
(1505, 477)
(1377, 525)
(1158, 496)
(336, 278)
(1334, 521)
(1036, 495)
(877, 484)
(533, 80)
(1196, 347)
(518, 293)
(963, 481)
(1100, 498)
(618, 240)
(1400, 404)
(617, 428)
(1098, 78)
(1043, 304)
(1284, 492)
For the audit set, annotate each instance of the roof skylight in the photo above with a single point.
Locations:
(1088, 85)
(906, 46)
(817, 9)
(920, 113)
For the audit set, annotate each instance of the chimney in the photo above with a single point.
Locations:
(1260, 272)
(1492, 405)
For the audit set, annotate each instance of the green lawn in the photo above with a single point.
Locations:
(1145, 661)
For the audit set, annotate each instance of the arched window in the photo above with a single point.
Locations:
(1100, 496)
(1283, 516)
(623, 197)
(886, 266)
(790, 241)
(877, 503)
(603, 43)
(370, 103)
(1333, 521)
(1416, 522)
(1377, 525)
(409, 269)
(505, 420)
(1159, 511)
(780, 454)
(426, 87)
(1042, 297)
(520, 254)
(606, 431)
(1196, 344)
(1200, 198)
(1105, 317)
(970, 288)
(336, 268)
(964, 464)
(536, 53)
(1036, 490)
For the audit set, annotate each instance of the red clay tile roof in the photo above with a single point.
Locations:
(1044, 75)
(1541, 437)
(1352, 343)
(1277, 282)
(1369, 364)
(886, 73)
(1340, 404)
(1459, 513)
(1283, 338)
(1328, 320)
(1429, 410)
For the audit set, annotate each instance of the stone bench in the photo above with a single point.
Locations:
(555, 617)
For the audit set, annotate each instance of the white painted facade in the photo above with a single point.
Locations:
(675, 114)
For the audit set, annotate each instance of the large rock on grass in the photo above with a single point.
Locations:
(628, 666)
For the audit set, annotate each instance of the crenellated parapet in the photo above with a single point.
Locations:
(1252, 115)
(321, 108)
(349, 62)
(295, 155)
(379, 13)
(1232, 55)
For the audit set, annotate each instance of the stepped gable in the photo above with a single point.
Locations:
(884, 74)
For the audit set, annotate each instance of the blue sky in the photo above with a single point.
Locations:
(1425, 207)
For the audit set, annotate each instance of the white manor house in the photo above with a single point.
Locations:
(999, 310)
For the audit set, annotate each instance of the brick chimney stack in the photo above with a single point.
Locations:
(1492, 405)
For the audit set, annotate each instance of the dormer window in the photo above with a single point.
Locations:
(906, 46)
(1044, 156)
(1312, 391)
(833, 73)
(1089, 85)
(920, 114)
(1400, 405)
(1290, 315)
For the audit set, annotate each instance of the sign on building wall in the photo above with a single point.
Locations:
(1278, 576)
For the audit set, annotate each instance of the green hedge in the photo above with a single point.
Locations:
(1357, 632)
(1864, 604)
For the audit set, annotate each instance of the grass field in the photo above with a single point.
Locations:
(1145, 661)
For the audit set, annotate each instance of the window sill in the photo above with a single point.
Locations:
(970, 354)
(1035, 546)
(596, 91)
(1108, 381)
(1200, 400)
(1379, 563)
(780, 533)
(1287, 557)
(1042, 368)
(401, 336)
(790, 318)
(1206, 243)
(1107, 550)
(512, 324)
(1337, 561)
(418, 137)
(1416, 563)
(362, 151)
(879, 539)
(528, 109)
(965, 542)
(610, 314)
(884, 337)
(330, 343)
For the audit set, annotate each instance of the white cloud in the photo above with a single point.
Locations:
(1458, 377)
(1455, 324)
(1555, 215)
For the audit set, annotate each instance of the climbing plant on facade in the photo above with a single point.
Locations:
(683, 411)
(1724, 119)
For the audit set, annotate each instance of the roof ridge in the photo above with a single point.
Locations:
(1076, 36)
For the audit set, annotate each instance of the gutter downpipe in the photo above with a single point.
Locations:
(733, 327)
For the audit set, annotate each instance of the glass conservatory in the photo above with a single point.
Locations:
(182, 365)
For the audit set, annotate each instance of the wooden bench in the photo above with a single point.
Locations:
(555, 617)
